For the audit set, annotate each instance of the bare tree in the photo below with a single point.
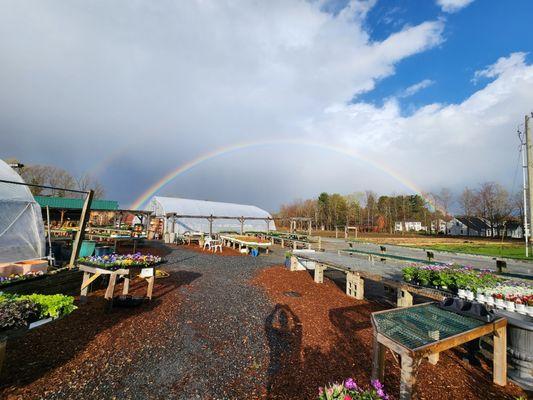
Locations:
(445, 200)
(87, 182)
(493, 204)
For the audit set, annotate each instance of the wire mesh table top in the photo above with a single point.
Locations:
(413, 327)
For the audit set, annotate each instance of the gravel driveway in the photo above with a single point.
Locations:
(216, 344)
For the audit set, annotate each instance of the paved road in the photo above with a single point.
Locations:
(515, 267)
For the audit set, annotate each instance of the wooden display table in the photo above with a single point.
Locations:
(91, 273)
(425, 330)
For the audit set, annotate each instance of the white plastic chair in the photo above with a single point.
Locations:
(216, 244)
(207, 243)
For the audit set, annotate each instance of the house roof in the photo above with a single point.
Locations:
(474, 223)
(66, 203)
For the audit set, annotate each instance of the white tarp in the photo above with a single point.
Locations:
(161, 206)
(21, 222)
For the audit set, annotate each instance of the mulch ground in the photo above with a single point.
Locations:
(91, 348)
(325, 336)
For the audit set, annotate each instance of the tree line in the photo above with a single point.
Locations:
(47, 175)
(372, 212)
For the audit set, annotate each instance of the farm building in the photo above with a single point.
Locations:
(179, 215)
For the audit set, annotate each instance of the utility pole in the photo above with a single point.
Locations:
(523, 145)
(529, 146)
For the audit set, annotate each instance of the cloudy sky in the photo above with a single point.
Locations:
(310, 96)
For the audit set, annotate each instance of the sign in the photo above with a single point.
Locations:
(147, 272)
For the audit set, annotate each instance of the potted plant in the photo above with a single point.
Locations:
(519, 305)
(529, 307)
(480, 297)
(498, 301)
(288, 259)
(489, 300)
(509, 303)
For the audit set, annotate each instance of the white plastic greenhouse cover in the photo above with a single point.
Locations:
(162, 206)
(21, 222)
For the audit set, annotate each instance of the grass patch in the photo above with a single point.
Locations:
(494, 250)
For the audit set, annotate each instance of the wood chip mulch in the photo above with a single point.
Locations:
(91, 349)
(325, 336)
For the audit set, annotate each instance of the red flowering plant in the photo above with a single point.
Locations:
(349, 390)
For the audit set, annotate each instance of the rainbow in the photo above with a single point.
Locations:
(171, 175)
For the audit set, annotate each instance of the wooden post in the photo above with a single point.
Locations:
(310, 227)
(84, 287)
(336, 232)
(241, 220)
(359, 287)
(405, 299)
(211, 225)
(378, 361)
(111, 287)
(351, 280)
(407, 377)
(319, 273)
(319, 243)
(345, 232)
(294, 247)
(294, 263)
(500, 356)
(268, 226)
(81, 229)
(126, 287)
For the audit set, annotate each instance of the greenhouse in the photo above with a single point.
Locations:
(187, 215)
(21, 224)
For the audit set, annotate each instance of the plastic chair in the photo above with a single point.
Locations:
(216, 244)
(207, 243)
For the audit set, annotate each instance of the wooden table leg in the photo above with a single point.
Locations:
(126, 287)
(378, 361)
(150, 286)
(84, 289)
(408, 377)
(111, 287)
(499, 367)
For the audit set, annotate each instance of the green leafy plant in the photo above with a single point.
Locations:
(53, 306)
(410, 273)
(18, 314)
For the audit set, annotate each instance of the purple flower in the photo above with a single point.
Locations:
(350, 384)
(379, 389)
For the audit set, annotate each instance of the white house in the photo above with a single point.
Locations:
(439, 226)
(468, 226)
(409, 226)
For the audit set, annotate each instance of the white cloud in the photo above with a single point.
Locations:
(445, 145)
(170, 80)
(411, 90)
(451, 6)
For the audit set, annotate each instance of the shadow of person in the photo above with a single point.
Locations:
(283, 330)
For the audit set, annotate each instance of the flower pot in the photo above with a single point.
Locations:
(489, 300)
(461, 293)
(469, 295)
(509, 305)
(480, 297)
(520, 308)
(529, 310)
(499, 303)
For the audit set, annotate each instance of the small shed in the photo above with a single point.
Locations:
(188, 215)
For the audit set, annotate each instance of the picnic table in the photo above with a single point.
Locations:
(425, 330)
